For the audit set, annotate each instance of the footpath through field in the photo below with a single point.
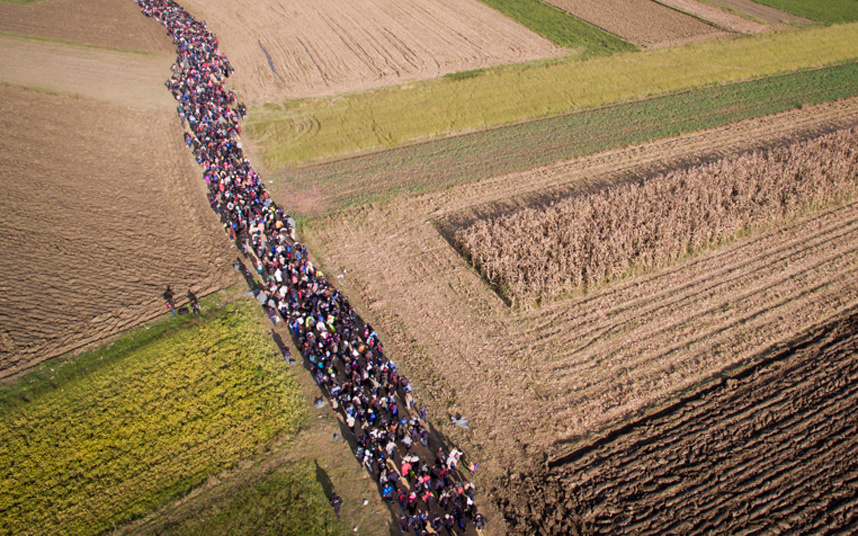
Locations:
(391, 435)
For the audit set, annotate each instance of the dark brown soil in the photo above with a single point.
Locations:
(107, 23)
(771, 449)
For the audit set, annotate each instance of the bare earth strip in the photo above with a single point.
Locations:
(771, 448)
(533, 382)
(766, 14)
(102, 207)
(642, 22)
(718, 17)
(111, 76)
(107, 23)
(332, 47)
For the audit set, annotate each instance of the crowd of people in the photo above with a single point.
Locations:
(345, 356)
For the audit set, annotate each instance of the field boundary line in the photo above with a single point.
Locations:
(79, 45)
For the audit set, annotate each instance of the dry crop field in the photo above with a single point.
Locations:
(287, 49)
(103, 205)
(537, 383)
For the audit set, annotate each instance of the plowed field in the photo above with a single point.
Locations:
(771, 449)
(106, 23)
(642, 22)
(102, 203)
(102, 207)
(536, 383)
(286, 49)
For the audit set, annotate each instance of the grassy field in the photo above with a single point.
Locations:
(287, 501)
(827, 11)
(104, 438)
(322, 129)
(462, 159)
(560, 27)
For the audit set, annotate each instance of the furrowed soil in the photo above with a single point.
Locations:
(105, 23)
(103, 207)
(284, 49)
(642, 22)
(772, 448)
(536, 383)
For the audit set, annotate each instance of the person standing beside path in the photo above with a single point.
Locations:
(168, 299)
(195, 304)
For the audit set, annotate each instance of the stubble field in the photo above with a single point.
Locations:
(289, 50)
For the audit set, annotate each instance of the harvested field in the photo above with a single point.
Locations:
(103, 207)
(642, 22)
(768, 15)
(717, 17)
(120, 78)
(106, 23)
(540, 253)
(285, 49)
(536, 383)
(772, 448)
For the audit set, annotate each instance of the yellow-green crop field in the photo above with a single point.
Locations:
(322, 129)
(146, 423)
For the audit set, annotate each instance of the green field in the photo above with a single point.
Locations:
(339, 126)
(96, 441)
(287, 501)
(462, 159)
(827, 11)
(560, 27)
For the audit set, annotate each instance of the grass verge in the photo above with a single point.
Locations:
(97, 441)
(560, 27)
(393, 116)
(827, 11)
(287, 500)
(470, 157)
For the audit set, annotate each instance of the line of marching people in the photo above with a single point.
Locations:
(346, 358)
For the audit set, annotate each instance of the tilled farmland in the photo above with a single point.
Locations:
(771, 447)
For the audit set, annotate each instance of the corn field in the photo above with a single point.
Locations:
(540, 253)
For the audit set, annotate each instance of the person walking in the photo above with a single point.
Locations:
(336, 503)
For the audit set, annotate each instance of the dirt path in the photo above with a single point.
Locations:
(643, 22)
(284, 49)
(535, 382)
(107, 23)
(102, 207)
(771, 448)
(133, 80)
(719, 17)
